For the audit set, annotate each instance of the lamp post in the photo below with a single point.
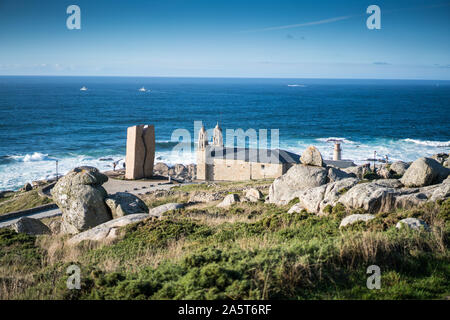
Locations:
(56, 170)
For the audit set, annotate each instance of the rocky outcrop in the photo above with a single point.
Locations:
(311, 156)
(108, 230)
(424, 172)
(123, 203)
(388, 183)
(399, 167)
(81, 198)
(30, 226)
(384, 172)
(412, 223)
(335, 174)
(294, 181)
(183, 173)
(351, 219)
(315, 200)
(229, 200)
(253, 195)
(316, 188)
(160, 210)
(178, 172)
(369, 196)
(161, 169)
(389, 194)
(358, 171)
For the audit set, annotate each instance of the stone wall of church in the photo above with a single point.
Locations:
(266, 170)
(238, 170)
(231, 170)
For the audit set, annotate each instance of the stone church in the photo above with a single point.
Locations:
(218, 163)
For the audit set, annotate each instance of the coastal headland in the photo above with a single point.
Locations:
(311, 233)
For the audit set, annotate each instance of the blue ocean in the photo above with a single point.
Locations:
(44, 119)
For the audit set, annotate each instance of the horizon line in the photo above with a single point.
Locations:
(220, 77)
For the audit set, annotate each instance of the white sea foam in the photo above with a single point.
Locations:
(359, 152)
(38, 166)
(344, 140)
(443, 144)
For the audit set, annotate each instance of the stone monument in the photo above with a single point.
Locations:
(140, 155)
(337, 152)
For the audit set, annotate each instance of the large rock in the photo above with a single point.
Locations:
(388, 183)
(107, 230)
(386, 195)
(424, 172)
(158, 211)
(81, 198)
(369, 196)
(229, 200)
(399, 167)
(182, 173)
(294, 181)
(30, 226)
(123, 203)
(351, 219)
(311, 156)
(384, 172)
(438, 191)
(335, 174)
(161, 169)
(358, 171)
(253, 195)
(314, 200)
(412, 223)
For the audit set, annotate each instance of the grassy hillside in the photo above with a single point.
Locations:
(250, 251)
(22, 200)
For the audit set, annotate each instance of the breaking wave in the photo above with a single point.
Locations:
(336, 138)
(439, 144)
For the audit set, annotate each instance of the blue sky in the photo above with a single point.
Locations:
(216, 38)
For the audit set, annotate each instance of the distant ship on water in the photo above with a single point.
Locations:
(296, 85)
(143, 89)
(83, 88)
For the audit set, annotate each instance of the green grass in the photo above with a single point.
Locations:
(249, 251)
(223, 186)
(24, 200)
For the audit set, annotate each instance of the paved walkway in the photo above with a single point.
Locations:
(135, 187)
(37, 215)
(111, 186)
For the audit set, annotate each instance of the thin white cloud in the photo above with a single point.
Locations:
(331, 20)
(312, 23)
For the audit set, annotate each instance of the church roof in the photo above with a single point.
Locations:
(254, 155)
